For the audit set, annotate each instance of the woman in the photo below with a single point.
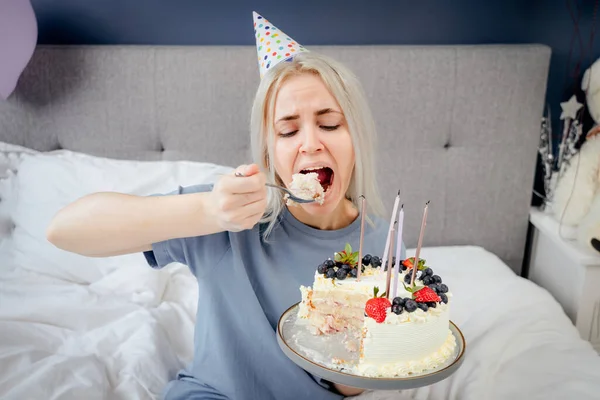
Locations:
(249, 251)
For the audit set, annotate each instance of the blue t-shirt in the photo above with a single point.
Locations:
(245, 284)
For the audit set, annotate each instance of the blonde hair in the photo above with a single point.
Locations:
(346, 89)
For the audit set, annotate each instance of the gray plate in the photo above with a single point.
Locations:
(315, 354)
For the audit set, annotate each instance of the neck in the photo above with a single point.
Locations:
(344, 214)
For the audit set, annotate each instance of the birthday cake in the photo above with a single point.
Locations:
(396, 334)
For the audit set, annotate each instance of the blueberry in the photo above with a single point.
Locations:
(432, 304)
(407, 278)
(375, 262)
(341, 274)
(435, 287)
(410, 305)
(444, 298)
(347, 267)
(399, 301)
(443, 288)
(403, 267)
(329, 263)
(322, 268)
(423, 306)
(427, 280)
(396, 309)
(330, 273)
(353, 272)
(437, 279)
(366, 259)
(339, 264)
(428, 271)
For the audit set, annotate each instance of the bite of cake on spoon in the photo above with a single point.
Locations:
(311, 183)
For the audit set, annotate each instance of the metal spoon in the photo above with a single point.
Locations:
(291, 195)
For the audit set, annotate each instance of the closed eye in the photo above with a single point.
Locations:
(330, 127)
(287, 134)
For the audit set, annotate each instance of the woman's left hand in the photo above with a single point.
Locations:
(348, 390)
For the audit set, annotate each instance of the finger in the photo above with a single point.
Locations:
(250, 170)
(250, 198)
(242, 213)
(242, 185)
(239, 201)
(251, 220)
(239, 171)
(257, 207)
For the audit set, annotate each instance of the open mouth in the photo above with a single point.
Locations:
(324, 175)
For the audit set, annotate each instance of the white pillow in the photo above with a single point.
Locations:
(10, 158)
(46, 182)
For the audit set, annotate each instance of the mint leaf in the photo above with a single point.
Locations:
(348, 248)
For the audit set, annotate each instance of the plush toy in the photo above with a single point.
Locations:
(577, 195)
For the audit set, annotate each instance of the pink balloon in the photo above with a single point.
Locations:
(18, 38)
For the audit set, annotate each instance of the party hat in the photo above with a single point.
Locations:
(272, 45)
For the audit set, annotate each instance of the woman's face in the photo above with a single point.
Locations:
(311, 134)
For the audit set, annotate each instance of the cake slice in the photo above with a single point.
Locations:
(306, 186)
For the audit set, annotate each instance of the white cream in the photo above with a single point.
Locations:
(414, 366)
(372, 277)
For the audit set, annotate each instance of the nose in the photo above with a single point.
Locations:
(311, 142)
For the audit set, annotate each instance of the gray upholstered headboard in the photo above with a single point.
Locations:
(458, 125)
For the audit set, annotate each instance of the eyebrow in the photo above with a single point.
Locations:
(319, 112)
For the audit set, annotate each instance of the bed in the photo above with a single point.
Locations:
(458, 125)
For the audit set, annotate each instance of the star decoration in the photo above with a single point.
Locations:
(570, 108)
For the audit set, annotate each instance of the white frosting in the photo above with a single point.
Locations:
(406, 343)
(368, 280)
(429, 362)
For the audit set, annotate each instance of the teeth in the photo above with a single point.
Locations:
(312, 168)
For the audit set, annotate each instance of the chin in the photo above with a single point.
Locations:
(333, 198)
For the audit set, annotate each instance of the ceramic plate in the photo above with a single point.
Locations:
(328, 357)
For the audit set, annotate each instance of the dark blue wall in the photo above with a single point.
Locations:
(310, 22)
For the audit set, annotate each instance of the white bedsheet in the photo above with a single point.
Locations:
(124, 335)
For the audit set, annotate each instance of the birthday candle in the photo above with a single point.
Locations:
(419, 244)
(387, 241)
(398, 250)
(362, 232)
(389, 267)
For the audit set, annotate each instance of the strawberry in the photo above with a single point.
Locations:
(376, 307)
(426, 295)
(410, 263)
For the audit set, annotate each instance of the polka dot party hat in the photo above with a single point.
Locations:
(272, 45)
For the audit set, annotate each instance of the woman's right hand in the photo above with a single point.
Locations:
(239, 202)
